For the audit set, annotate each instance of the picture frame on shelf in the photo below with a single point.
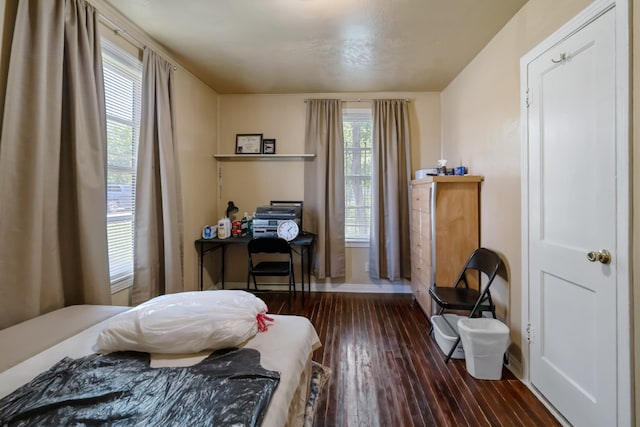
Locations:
(269, 146)
(248, 143)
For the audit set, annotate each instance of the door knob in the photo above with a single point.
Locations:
(603, 256)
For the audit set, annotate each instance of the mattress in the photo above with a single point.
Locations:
(21, 341)
(286, 347)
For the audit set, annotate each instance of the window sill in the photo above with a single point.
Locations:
(356, 244)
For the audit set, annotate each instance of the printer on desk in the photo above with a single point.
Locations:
(268, 218)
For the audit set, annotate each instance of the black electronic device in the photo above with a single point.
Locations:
(268, 218)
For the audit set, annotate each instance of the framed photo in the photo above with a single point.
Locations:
(268, 146)
(249, 143)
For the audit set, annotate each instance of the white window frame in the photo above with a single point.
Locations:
(354, 115)
(121, 208)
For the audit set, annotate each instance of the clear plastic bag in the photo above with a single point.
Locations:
(186, 322)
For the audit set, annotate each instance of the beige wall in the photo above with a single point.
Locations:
(481, 126)
(196, 134)
(256, 182)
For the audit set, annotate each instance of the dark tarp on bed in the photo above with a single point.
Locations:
(229, 387)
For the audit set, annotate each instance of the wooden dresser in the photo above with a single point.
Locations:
(445, 229)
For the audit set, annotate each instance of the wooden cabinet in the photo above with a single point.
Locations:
(445, 229)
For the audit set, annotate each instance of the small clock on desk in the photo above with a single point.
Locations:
(288, 230)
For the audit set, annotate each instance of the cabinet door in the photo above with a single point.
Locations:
(457, 232)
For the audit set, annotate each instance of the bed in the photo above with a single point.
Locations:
(286, 347)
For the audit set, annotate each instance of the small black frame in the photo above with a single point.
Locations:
(268, 146)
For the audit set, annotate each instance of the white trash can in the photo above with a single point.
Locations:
(485, 342)
(446, 337)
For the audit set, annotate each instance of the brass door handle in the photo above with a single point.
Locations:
(603, 256)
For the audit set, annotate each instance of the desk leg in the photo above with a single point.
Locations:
(302, 269)
(223, 258)
(201, 246)
(309, 251)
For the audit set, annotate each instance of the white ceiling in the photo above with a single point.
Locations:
(314, 46)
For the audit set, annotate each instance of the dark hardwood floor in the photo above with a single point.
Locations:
(388, 371)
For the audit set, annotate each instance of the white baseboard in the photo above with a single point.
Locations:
(371, 288)
(515, 366)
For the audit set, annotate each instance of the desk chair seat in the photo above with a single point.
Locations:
(459, 299)
(464, 298)
(263, 247)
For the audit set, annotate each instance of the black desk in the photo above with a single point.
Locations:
(303, 244)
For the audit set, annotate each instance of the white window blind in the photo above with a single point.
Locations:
(357, 128)
(122, 87)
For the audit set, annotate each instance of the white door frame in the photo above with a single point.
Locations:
(623, 196)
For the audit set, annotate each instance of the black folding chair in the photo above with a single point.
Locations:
(466, 298)
(270, 256)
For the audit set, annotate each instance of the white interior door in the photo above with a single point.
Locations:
(573, 212)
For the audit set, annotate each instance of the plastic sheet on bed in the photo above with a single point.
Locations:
(229, 387)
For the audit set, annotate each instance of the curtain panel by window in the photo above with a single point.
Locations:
(389, 249)
(53, 249)
(324, 186)
(158, 259)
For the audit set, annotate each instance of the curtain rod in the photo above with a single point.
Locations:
(357, 99)
(117, 30)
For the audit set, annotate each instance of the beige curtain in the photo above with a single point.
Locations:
(158, 227)
(389, 250)
(324, 186)
(53, 249)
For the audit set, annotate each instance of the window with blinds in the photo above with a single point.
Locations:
(122, 87)
(357, 128)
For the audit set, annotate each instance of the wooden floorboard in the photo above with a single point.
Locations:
(388, 371)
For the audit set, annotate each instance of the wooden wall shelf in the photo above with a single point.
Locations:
(263, 156)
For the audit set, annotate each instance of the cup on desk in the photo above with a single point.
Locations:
(460, 170)
(209, 232)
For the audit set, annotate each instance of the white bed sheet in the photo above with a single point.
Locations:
(286, 347)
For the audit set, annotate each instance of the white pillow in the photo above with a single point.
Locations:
(185, 322)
